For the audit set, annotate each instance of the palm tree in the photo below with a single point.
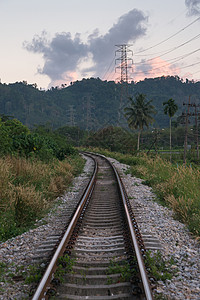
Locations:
(139, 114)
(170, 109)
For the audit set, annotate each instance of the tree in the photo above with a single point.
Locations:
(139, 114)
(170, 108)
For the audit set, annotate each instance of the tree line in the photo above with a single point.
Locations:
(91, 103)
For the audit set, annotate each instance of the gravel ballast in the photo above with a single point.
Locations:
(174, 237)
(20, 252)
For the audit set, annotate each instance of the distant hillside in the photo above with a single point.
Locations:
(89, 103)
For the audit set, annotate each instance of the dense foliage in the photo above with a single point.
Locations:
(17, 139)
(90, 103)
(113, 139)
(35, 167)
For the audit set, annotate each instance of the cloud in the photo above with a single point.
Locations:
(128, 28)
(63, 54)
(193, 7)
(156, 68)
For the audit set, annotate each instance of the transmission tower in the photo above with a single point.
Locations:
(71, 116)
(90, 119)
(124, 62)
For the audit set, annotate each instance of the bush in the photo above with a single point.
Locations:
(177, 187)
(40, 167)
(5, 139)
(44, 144)
(28, 187)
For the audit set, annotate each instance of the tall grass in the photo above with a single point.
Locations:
(28, 188)
(176, 187)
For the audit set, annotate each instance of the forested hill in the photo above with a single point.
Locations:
(89, 103)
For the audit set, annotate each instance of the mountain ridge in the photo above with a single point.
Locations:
(90, 103)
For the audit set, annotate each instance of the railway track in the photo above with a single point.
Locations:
(101, 253)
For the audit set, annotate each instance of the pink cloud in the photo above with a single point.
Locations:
(67, 78)
(156, 67)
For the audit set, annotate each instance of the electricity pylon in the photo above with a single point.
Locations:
(125, 65)
(71, 116)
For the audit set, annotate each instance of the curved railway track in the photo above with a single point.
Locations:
(101, 253)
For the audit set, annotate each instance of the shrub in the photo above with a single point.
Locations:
(27, 188)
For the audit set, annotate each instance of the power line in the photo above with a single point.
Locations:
(175, 48)
(171, 49)
(165, 65)
(112, 63)
(196, 72)
(175, 59)
(192, 65)
(173, 35)
(108, 73)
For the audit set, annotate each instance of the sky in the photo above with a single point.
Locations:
(51, 43)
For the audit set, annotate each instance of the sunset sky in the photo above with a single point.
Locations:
(53, 42)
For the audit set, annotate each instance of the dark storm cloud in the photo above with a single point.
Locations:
(193, 7)
(63, 53)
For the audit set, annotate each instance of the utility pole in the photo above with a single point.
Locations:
(155, 142)
(124, 64)
(196, 113)
(186, 129)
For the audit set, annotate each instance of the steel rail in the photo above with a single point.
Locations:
(42, 289)
(140, 261)
(144, 277)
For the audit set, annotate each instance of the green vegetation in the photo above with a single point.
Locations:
(175, 186)
(33, 106)
(28, 188)
(139, 114)
(112, 138)
(35, 168)
(121, 140)
(16, 139)
(37, 163)
(160, 297)
(29, 275)
(64, 266)
(170, 108)
(158, 268)
(3, 274)
(33, 274)
(122, 268)
(3, 267)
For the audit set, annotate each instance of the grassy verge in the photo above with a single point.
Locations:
(176, 187)
(28, 188)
